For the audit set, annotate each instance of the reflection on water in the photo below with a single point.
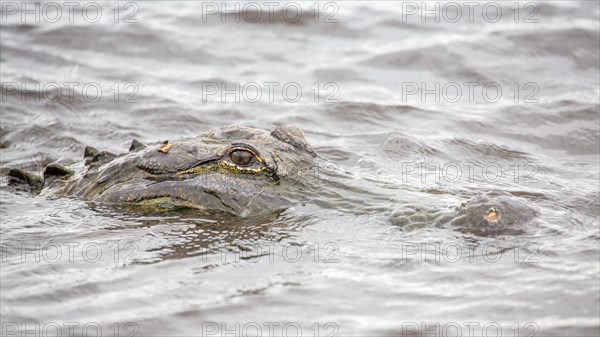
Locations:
(416, 118)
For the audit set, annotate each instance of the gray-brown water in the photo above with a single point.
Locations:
(382, 92)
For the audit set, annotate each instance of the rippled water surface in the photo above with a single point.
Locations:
(379, 250)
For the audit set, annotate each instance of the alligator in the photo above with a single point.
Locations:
(236, 170)
(233, 169)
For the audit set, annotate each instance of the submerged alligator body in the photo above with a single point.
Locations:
(236, 170)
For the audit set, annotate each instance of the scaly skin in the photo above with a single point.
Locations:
(198, 172)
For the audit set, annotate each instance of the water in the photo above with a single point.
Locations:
(370, 257)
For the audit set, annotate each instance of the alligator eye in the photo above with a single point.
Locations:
(241, 157)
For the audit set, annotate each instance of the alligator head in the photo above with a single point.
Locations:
(233, 169)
